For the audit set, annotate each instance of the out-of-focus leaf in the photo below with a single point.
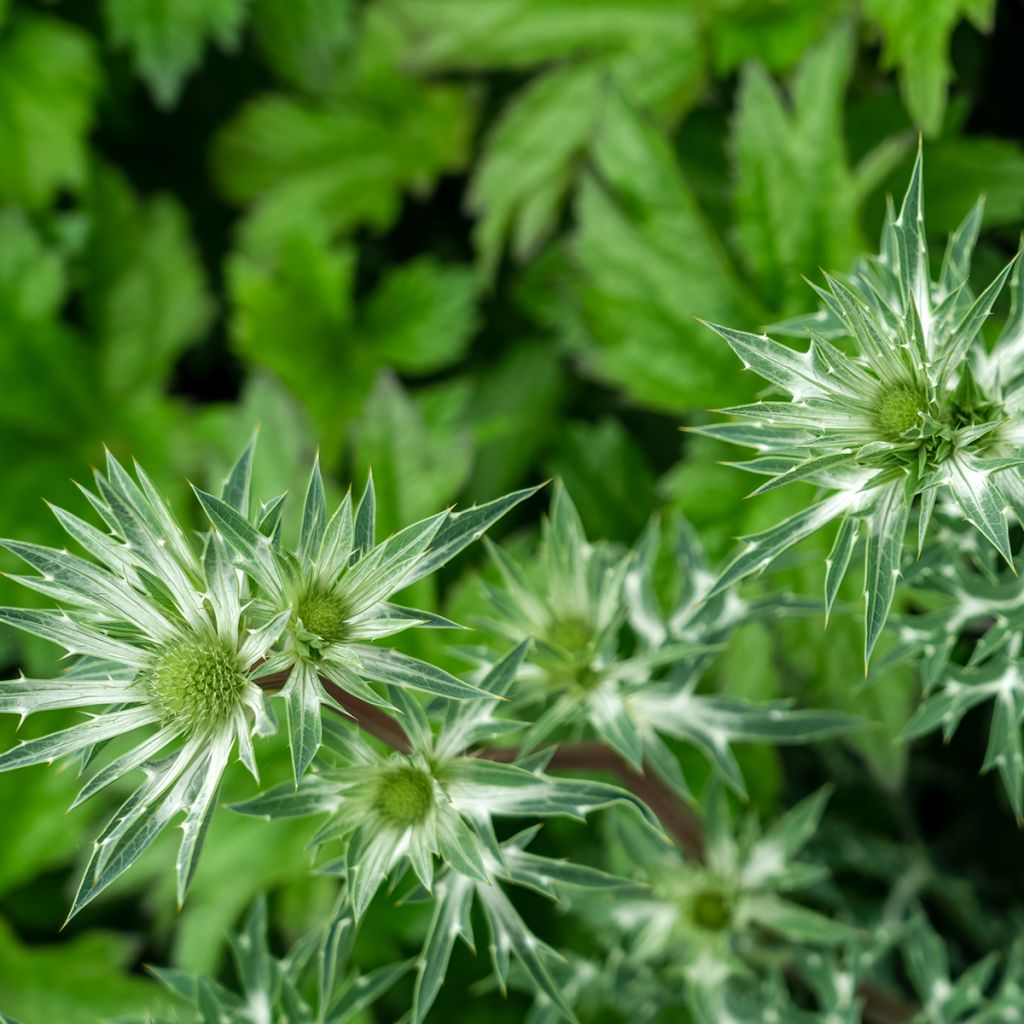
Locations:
(167, 37)
(295, 315)
(651, 264)
(39, 834)
(775, 34)
(80, 981)
(145, 290)
(304, 40)
(324, 167)
(513, 407)
(796, 202)
(49, 78)
(286, 438)
(609, 477)
(917, 38)
(651, 49)
(46, 367)
(292, 316)
(422, 316)
(959, 170)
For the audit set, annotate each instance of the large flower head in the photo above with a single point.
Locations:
(895, 401)
(165, 654)
(336, 586)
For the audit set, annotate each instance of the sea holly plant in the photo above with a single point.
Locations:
(335, 590)
(895, 402)
(708, 921)
(163, 655)
(173, 649)
(439, 800)
(613, 658)
(274, 989)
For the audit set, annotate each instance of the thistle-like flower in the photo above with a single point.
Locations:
(399, 810)
(165, 653)
(610, 660)
(708, 923)
(337, 587)
(912, 407)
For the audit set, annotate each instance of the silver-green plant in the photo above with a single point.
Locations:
(895, 402)
(274, 988)
(438, 800)
(173, 642)
(335, 590)
(613, 658)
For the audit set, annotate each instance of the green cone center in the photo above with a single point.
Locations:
(198, 680)
(898, 410)
(325, 613)
(711, 910)
(405, 796)
(570, 633)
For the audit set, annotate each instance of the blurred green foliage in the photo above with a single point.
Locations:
(464, 243)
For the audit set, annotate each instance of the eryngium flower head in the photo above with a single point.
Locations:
(613, 657)
(337, 586)
(163, 654)
(895, 400)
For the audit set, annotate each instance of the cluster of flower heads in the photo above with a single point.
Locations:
(173, 635)
(180, 640)
(895, 402)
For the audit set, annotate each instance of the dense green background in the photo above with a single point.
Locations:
(464, 242)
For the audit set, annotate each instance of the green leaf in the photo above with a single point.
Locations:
(609, 476)
(293, 315)
(422, 317)
(917, 41)
(78, 981)
(418, 463)
(450, 920)
(885, 528)
(796, 202)
(49, 79)
(651, 263)
(302, 697)
(145, 291)
(351, 156)
(959, 170)
(797, 923)
(167, 37)
(386, 665)
(304, 41)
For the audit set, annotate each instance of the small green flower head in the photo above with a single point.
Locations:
(571, 633)
(898, 410)
(324, 612)
(405, 796)
(711, 909)
(196, 680)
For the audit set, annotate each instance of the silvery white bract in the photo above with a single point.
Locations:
(274, 990)
(393, 811)
(612, 659)
(894, 402)
(164, 654)
(337, 587)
